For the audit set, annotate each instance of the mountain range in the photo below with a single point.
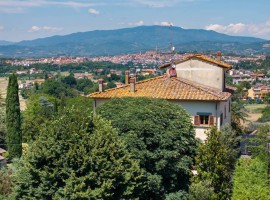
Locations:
(133, 40)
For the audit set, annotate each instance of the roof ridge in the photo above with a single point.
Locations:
(198, 56)
(126, 85)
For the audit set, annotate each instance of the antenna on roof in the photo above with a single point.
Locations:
(172, 48)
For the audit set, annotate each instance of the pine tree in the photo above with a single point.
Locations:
(76, 156)
(13, 119)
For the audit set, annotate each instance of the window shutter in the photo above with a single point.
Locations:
(211, 120)
(197, 120)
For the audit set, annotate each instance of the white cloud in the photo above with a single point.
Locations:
(1, 28)
(258, 30)
(166, 24)
(93, 11)
(139, 23)
(45, 29)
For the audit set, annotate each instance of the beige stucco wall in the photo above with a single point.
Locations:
(193, 107)
(201, 72)
(222, 107)
(216, 108)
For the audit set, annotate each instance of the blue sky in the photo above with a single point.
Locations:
(30, 19)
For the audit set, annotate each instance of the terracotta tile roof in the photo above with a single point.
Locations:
(164, 87)
(199, 57)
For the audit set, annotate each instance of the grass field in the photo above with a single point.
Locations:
(257, 108)
(254, 111)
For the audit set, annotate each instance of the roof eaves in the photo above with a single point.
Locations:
(203, 88)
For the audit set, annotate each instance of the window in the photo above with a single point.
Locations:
(203, 119)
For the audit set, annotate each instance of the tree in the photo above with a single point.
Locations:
(111, 85)
(160, 134)
(80, 103)
(251, 179)
(5, 183)
(2, 121)
(238, 116)
(70, 80)
(245, 84)
(215, 162)
(2, 126)
(77, 156)
(267, 98)
(201, 191)
(83, 83)
(265, 115)
(57, 89)
(13, 119)
(40, 108)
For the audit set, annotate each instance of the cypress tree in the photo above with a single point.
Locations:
(13, 119)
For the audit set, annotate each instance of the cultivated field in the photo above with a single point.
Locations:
(3, 92)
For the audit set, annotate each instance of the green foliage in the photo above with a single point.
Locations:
(80, 103)
(13, 119)
(201, 191)
(160, 134)
(265, 115)
(229, 79)
(2, 121)
(69, 80)
(83, 83)
(215, 161)
(238, 115)
(5, 183)
(57, 89)
(180, 195)
(111, 85)
(245, 84)
(267, 98)
(2, 125)
(40, 108)
(89, 90)
(78, 157)
(251, 179)
(257, 145)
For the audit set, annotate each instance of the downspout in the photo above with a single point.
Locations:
(94, 106)
(216, 116)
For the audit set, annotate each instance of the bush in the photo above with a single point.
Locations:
(251, 179)
(201, 190)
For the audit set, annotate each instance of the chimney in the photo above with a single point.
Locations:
(172, 71)
(100, 85)
(127, 77)
(136, 77)
(132, 84)
(219, 56)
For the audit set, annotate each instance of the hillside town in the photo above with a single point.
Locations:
(134, 100)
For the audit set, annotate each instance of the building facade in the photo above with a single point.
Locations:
(197, 83)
